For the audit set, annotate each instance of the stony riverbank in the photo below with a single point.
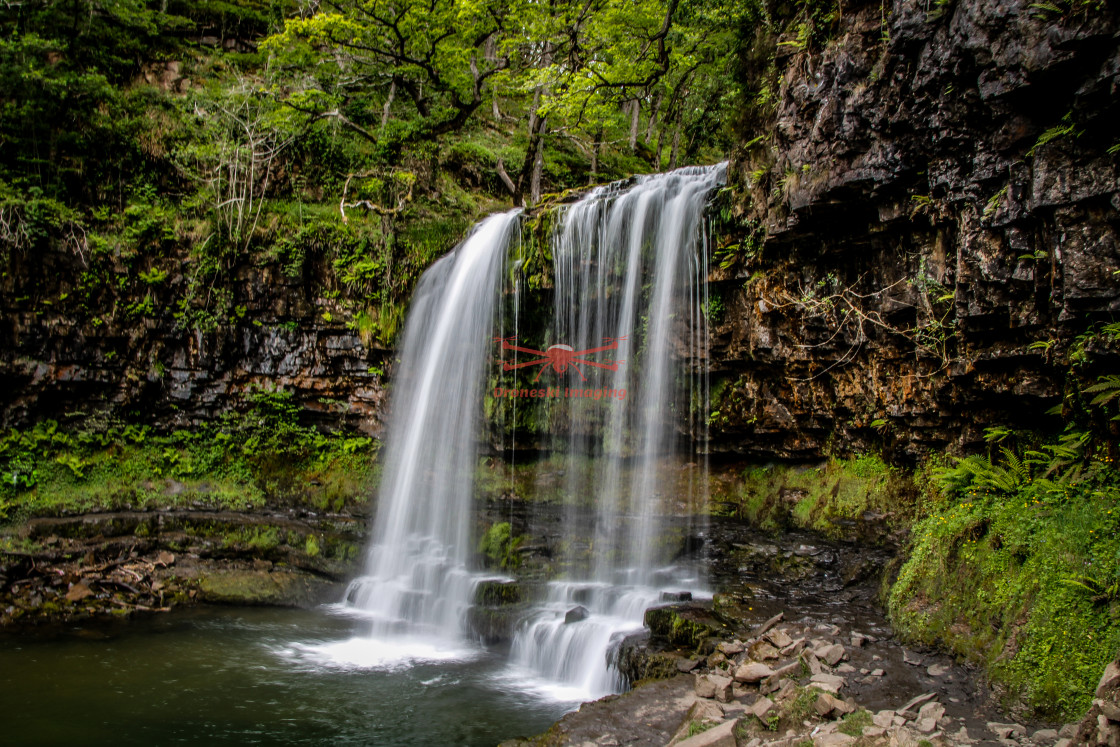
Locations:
(798, 681)
(122, 563)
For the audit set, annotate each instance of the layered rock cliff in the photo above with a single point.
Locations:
(932, 207)
(70, 345)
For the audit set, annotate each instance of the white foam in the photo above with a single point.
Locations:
(375, 653)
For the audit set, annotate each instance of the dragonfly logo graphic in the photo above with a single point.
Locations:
(562, 357)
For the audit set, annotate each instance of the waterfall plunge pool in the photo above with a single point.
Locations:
(229, 675)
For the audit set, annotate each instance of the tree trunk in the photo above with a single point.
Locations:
(385, 109)
(533, 112)
(635, 112)
(596, 146)
(653, 117)
(538, 165)
(676, 145)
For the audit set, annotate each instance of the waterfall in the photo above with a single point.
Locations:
(629, 295)
(418, 581)
(630, 266)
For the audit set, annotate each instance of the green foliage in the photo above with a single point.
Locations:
(258, 539)
(235, 462)
(699, 727)
(855, 722)
(1017, 564)
(499, 546)
(1067, 128)
(826, 499)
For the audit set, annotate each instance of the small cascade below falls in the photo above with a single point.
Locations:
(417, 582)
(630, 266)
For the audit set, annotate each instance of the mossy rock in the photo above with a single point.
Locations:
(497, 593)
(683, 626)
(638, 663)
(279, 588)
(493, 625)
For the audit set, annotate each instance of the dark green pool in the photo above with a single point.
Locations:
(255, 676)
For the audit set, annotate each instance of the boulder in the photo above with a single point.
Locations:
(917, 701)
(761, 630)
(762, 651)
(686, 625)
(753, 671)
(762, 708)
(718, 736)
(829, 682)
(497, 592)
(576, 614)
(831, 655)
(1101, 725)
(779, 638)
(730, 648)
(701, 711)
(824, 705)
(933, 710)
(687, 665)
(1004, 731)
(676, 596)
(713, 686)
(794, 648)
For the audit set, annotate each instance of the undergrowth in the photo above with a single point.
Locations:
(240, 461)
(830, 499)
(1016, 561)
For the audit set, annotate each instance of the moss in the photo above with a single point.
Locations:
(497, 593)
(259, 539)
(234, 464)
(1020, 580)
(499, 546)
(834, 499)
(285, 588)
(682, 626)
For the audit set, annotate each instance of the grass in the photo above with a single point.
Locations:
(699, 727)
(854, 723)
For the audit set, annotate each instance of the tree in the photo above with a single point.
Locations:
(354, 61)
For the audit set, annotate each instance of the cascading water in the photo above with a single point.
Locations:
(417, 582)
(630, 266)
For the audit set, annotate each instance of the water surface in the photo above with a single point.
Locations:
(242, 676)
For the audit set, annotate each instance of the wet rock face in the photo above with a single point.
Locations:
(59, 355)
(930, 211)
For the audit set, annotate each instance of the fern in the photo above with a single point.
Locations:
(1107, 389)
(996, 433)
